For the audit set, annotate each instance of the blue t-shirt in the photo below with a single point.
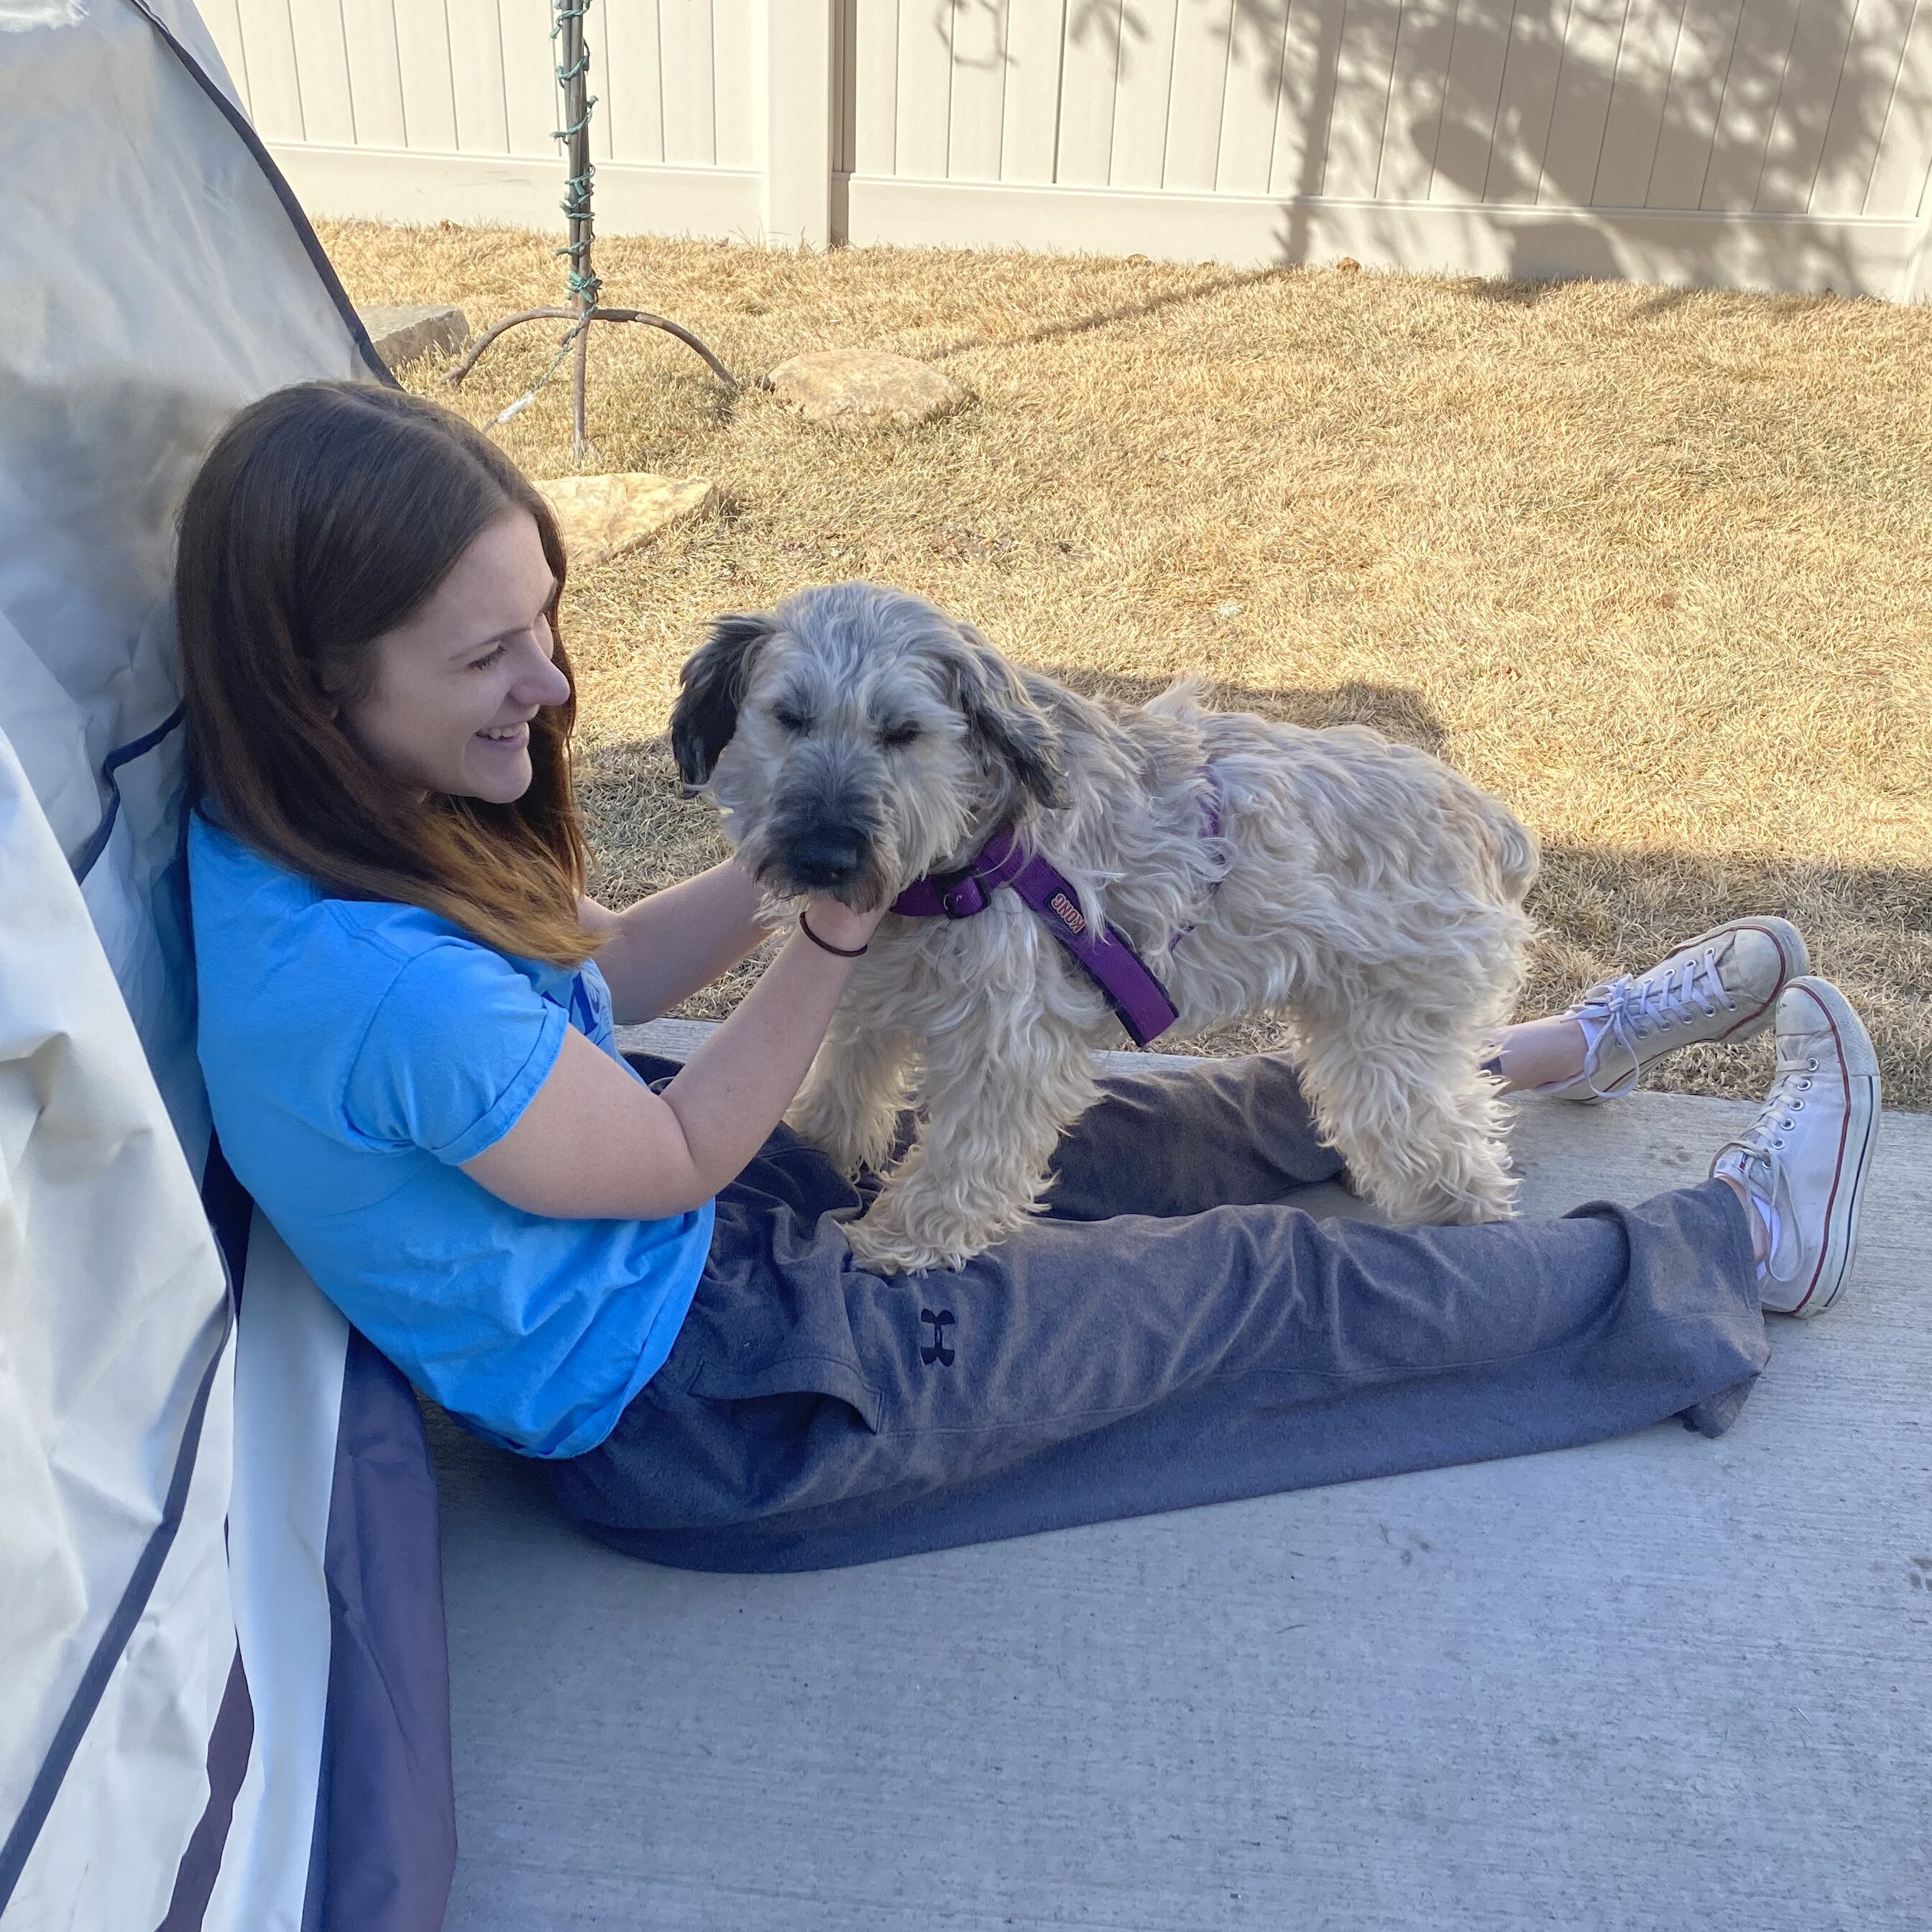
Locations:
(356, 1052)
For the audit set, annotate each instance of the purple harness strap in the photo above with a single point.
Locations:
(1136, 995)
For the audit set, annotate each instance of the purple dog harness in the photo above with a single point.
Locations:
(1136, 995)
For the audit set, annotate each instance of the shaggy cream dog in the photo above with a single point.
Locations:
(857, 739)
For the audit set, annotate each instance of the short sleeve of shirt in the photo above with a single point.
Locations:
(457, 1048)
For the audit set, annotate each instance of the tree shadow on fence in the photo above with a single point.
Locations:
(1548, 107)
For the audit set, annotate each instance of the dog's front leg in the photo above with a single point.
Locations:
(996, 1091)
(851, 1100)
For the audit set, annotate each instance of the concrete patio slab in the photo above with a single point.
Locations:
(1661, 1682)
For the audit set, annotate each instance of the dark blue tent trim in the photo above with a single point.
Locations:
(89, 854)
(228, 1746)
(106, 1657)
(386, 1801)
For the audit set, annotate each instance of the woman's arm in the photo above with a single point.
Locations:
(663, 948)
(596, 1143)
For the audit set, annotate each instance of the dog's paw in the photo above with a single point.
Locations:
(851, 1146)
(1468, 1204)
(880, 1250)
(850, 1161)
(848, 1167)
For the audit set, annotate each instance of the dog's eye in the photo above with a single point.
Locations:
(797, 722)
(897, 735)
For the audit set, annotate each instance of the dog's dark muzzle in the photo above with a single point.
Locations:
(824, 860)
(829, 846)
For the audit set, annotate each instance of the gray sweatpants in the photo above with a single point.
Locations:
(1169, 1335)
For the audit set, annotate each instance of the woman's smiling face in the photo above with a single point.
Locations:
(449, 705)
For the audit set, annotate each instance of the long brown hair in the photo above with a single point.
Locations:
(325, 515)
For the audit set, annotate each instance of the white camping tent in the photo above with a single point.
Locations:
(223, 1688)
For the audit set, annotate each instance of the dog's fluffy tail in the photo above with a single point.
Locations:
(1512, 846)
(1181, 699)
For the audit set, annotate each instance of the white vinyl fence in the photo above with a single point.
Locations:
(1780, 144)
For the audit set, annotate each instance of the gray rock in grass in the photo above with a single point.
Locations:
(403, 332)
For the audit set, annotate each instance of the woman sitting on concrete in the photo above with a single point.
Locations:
(633, 1272)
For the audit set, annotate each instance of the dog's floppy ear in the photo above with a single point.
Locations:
(1015, 733)
(712, 685)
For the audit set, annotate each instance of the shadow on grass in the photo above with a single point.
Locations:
(1600, 912)
(1503, 293)
(1396, 711)
(1085, 325)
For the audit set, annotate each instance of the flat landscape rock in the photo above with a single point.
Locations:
(603, 516)
(855, 388)
(403, 332)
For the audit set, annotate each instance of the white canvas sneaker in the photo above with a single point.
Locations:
(1803, 1160)
(1721, 986)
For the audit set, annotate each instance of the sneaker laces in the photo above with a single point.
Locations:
(1627, 1011)
(1760, 1149)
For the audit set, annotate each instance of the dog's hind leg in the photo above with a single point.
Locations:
(1398, 1092)
(996, 1091)
(850, 1104)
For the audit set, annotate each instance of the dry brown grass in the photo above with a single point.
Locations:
(1656, 567)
